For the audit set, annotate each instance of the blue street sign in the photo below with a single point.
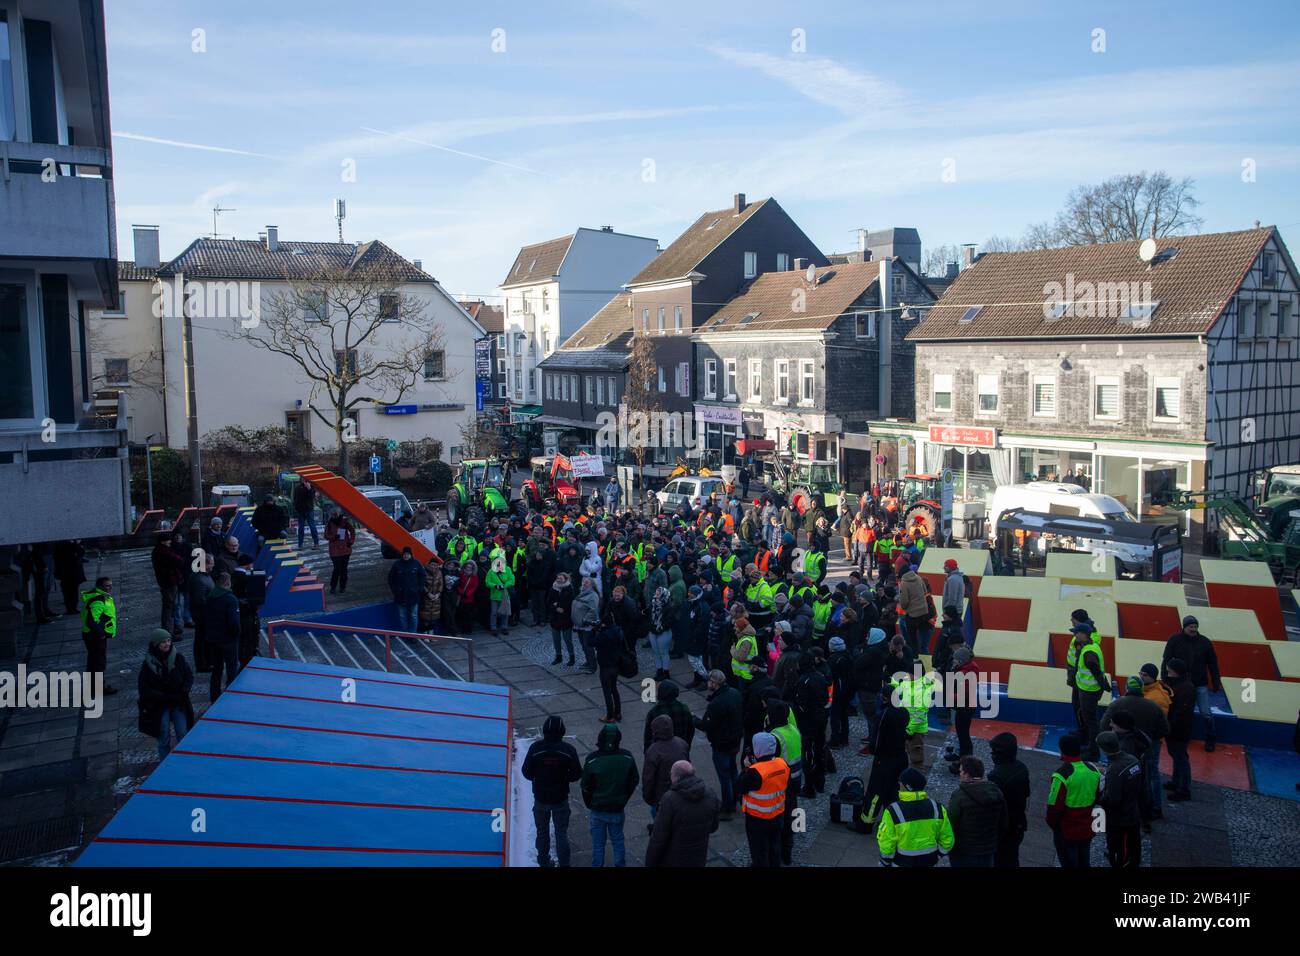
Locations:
(374, 464)
(401, 409)
(480, 390)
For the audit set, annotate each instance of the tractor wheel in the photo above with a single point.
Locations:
(923, 516)
(801, 500)
(475, 518)
(453, 508)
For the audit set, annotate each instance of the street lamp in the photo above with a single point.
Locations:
(148, 464)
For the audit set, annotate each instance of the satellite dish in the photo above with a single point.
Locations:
(811, 275)
(1147, 251)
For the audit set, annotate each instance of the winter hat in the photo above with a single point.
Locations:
(764, 745)
(1004, 747)
(1189, 620)
(913, 567)
(1108, 742)
(950, 565)
(1150, 670)
(695, 591)
(158, 635)
(787, 538)
(1134, 685)
(1082, 627)
(837, 644)
(554, 728)
(1176, 665)
(1071, 746)
(961, 656)
(911, 779)
(1078, 615)
(668, 690)
(782, 626)
(876, 636)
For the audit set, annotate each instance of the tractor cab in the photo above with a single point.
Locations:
(481, 488)
(807, 484)
(552, 482)
(238, 495)
(920, 488)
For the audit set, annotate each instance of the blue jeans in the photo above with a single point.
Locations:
(498, 614)
(306, 518)
(173, 718)
(543, 814)
(1203, 706)
(725, 765)
(408, 618)
(661, 645)
(610, 824)
(1151, 767)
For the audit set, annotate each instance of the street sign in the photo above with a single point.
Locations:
(392, 445)
(946, 502)
(401, 409)
(880, 459)
(374, 464)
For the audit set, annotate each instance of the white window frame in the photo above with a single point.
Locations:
(590, 385)
(751, 265)
(645, 320)
(600, 390)
(548, 384)
(783, 262)
(502, 391)
(710, 378)
(755, 380)
(613, 390)
(1247, 330)
(937, 379)
(858, 318)
(425, 366)
(1033, 396)
(118, 383)
(1157, 384)
(781, 382)
(663, 380)
(662, 326)
(1286, 318)
(677, 320)
(1102, 380)
(729, 379)
(980, 392)
(807, 382)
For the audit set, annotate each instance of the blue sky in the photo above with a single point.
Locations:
(642, 115)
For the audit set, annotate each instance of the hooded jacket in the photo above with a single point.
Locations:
(586, 609)
(911, 595)
(1011, 777)
(1199, 656)
(665, 751)
(609, 774)
(551, 764)
(978, 812)
(683, 724)
(1120, 790)
(869, 664)
(687, 814)
(1147, 715)
(723, 722)
(592, 567)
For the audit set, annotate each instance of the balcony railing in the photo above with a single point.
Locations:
(56, 202)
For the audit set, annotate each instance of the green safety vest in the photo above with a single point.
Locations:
(791, 745)
(914, 831)
(760, 597)
(641, 567)
(1081, 785)
(741, 668)
(883, 546)
(821, 615)
(1084, 679)
(915, 698)
(99, 606)
(813, 563)
(727, 567)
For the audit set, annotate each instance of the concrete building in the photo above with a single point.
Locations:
(553, 288)
(125, 347)
(226, 281)
(1144, 375)
(64, 471)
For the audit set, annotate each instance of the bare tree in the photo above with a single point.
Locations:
(997, 243)
(936, 259)
(641, 401)
(356, 337)
(1127, 207)
(477, 441)
(143, 368)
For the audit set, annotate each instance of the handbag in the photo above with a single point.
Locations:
(628, 666)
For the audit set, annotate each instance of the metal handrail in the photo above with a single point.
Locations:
(388, 636)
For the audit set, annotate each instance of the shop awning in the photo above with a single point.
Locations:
(747, 446)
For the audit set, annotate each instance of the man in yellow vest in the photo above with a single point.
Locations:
(1085, 671)
(915, 695)
(915, 830)
(744, 653)
(98, 626)
(761, 787)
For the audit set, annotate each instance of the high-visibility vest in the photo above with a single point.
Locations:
(791, 745)
(729, 523)
(726, 567)
(762, 560)
(741, 668)
(1081, 785)
(1084, 679)
(914, 831)
(813, 562)
(915, 698)
(883, 547)
(99, 607)
(821, 615)
(768, 802)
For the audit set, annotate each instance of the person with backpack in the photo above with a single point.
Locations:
(1011, 776)
(552, 765)
(1120, 796)
(609, 778)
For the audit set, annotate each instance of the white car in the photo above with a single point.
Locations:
(1057, 499)
(688, 489)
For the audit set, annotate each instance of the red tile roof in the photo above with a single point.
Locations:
(770, 299)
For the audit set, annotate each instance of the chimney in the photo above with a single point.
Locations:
(862, 243)
(146, 246)
(606, 228)
(418, 264)
(740, 203)
(885, 340)
(272, 238)
(950, 270)
(800, 265)
(968, 256)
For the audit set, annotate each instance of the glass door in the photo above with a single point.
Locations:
(17, 398)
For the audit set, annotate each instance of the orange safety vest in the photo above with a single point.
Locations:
(768, 801)
(762, 561)
(728, 523)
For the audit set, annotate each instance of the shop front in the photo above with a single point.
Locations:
(718, 428)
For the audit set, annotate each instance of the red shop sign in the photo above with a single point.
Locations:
(963, 435)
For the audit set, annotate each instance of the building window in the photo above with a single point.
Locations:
(532, 383)
(523, 303)
(351, 363)
(501, 366)
(663, 380)
(782, 262)
(600, 390)
(117, 371)
(548, 383)
(677, 319)
(684, 379)
(501, 341)
(645, 320)
(1286, 319)
(1268, 268)
(501, 390)
(782, 368)
(864, 325)
(1267, 318)
(755, 379)
(390, 307)
(1105, 397)
(730, 381)
(573, 387)
(900, 286)
(1168, 399)
(941, 388)
(987, 394)
(1245, 318)
(710, 378)
(806, 376)
(661, 320)
(314, 306)
(590, 382)
(1045, 396)
(435, 365)
(546, 300)
(613, 390)
(751, 265)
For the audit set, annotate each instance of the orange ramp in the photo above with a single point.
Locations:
(371, 517)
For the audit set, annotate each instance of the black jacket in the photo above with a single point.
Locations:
(695, 626)
(1198, 654)
(1012, 778)
(1180, 709)
(162, 690)
(978, 812)
(723, 722)
(406, 581)
(608, 643)
(269, 520)
(1121, 788)
(551, 764)
(683, 720)
(223, 617)
(869, 667)
(609, 774)
(688, 813)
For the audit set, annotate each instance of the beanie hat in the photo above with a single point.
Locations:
(1079, 615)
(1108, 742)
(764, 745)
(837, 644)
(1176, 664)
(876, 636)
(1071, 746)
(911, 779)
(1134, 685)
(950, 565)
(961, 656)
(1150, 670)
(1190, 620)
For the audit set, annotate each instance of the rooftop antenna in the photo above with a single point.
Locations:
(340, 213)
(217, 210)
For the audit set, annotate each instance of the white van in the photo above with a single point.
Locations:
(1054, 498)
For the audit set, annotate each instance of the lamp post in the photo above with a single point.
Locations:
(148, 465)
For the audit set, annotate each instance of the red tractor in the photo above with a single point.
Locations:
(552, 483)
(919, 498)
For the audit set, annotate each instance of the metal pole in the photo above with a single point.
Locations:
(148, 470)
(192, 410)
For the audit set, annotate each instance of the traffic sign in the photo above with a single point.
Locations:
(392, 445)
(374, 464)
(880, 459)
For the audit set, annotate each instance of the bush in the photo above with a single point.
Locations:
(171, 481)
(434, 478)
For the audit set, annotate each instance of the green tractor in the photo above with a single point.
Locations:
(1247, 535)
(807, 484)
(480, 490)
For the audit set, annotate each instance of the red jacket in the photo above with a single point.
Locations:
(1075, 823)
(168, 570)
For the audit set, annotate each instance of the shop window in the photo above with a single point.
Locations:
(942, 389)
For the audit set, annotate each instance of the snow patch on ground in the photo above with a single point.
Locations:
(523, 831)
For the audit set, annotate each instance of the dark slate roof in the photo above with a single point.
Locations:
(691, 248)
(491, 317)
(538, 262)
(128, 271)
(249, 259)
(608, 359)
(1192, 284)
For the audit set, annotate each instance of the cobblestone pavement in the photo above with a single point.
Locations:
(63, 775)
